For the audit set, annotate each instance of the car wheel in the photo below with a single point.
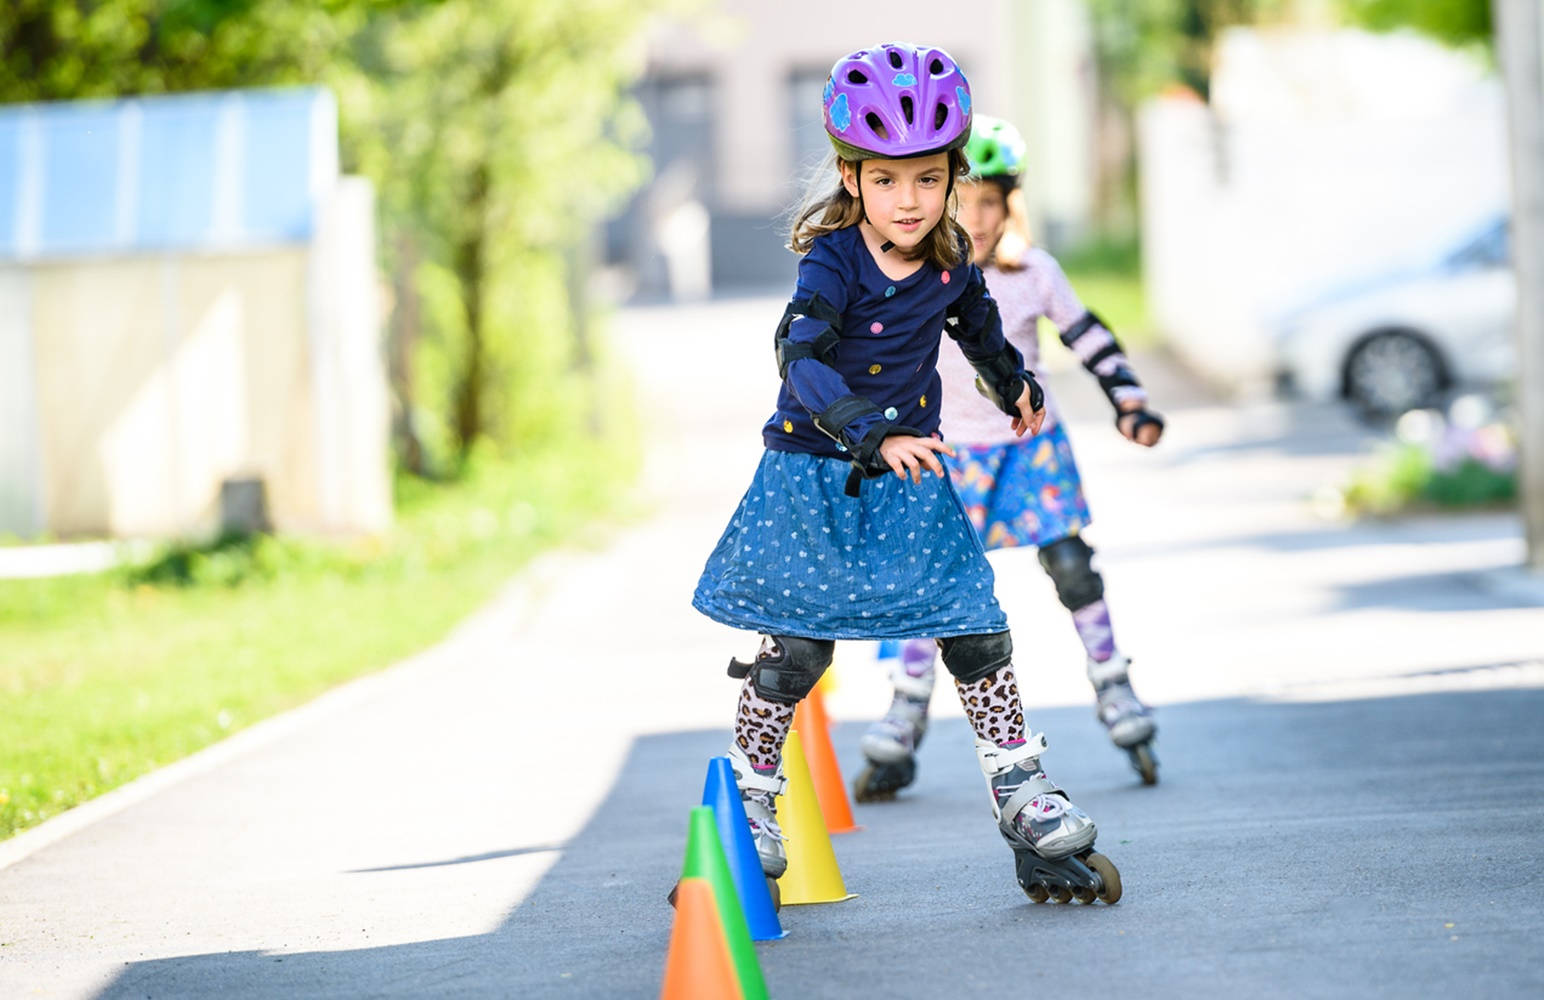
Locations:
(1394, 371)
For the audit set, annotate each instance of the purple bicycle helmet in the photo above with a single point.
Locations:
(896, 100)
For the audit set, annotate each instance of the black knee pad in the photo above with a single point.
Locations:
(972, 657)
(1070, 562)
(789, 672)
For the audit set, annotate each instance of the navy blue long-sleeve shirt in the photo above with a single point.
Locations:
(888, 352)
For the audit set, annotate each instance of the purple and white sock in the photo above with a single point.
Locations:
(918, 657)
(1093, 624)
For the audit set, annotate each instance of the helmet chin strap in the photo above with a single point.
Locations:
(887, 246)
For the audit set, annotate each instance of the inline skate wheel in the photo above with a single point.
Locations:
(1061, 894)
(776, 893)
(1109, 877)
(1084, 894)
(1037, 893)
(1145, 762)
(880, 782)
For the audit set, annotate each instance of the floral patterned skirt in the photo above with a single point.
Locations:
(1027, 492)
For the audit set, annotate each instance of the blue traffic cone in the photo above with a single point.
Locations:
(889, 649)
(721, 793)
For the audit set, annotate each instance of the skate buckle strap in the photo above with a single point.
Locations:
(1104, 672)
(1053, 804)
(752, 780)
(995, 759)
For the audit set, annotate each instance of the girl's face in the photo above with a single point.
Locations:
(904, 199)
(984, 214)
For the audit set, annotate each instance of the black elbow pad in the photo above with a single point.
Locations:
(822, 348)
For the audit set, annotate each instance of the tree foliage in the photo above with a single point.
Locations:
(1456, 22)
(492, 129)
(1143, 46)
(63, 50)
(496, 132)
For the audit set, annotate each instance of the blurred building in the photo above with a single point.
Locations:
(1324, 157)
(187, 298)
(733, 100)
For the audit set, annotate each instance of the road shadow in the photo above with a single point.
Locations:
(1380, 847)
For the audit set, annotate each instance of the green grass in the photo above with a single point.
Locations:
(1403, 478)
(104, 678)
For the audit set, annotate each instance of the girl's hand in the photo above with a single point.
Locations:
(907, 454)
(1028, 421)
(1148, 436)
(1010, 250)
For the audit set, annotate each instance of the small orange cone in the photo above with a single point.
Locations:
(818, 694)
(812, 875)
(810, 719)
(698, 966)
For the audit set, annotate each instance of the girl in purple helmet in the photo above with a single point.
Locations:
(1023, 491)
(850, 528)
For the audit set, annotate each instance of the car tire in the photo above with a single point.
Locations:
(1393, 371)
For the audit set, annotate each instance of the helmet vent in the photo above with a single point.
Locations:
(876, 125)
(908, 110)
(940, 115)
(936, 67)
(895, 59)
(856, 76)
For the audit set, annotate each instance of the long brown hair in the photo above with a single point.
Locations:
(945, 245)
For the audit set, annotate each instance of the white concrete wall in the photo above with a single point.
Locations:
(1319, 162)
(353, 422)
(1053, 99)
(131, 386)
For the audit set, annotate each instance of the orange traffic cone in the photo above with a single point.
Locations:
(698, 966)
(811, 720)
(812, 875)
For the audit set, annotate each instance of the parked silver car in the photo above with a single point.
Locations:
(1402, 340)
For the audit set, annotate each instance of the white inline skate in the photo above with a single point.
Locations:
(1052, 839)
(1128, 721)
(759, 791)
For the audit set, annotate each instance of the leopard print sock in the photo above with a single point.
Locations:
(992, 705)
(761, 726)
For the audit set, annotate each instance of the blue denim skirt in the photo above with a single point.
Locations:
(802, 558)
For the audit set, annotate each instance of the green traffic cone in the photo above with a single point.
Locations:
(705, 859)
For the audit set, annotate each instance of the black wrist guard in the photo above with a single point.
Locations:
(1144, 418)
(833, 422)
(1003, 384)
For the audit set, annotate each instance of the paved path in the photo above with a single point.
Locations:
(1352, 765)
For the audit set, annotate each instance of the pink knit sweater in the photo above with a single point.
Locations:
(1039, 288)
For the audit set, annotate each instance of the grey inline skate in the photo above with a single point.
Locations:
(890, 745)
(1129, 722)
(1052, 839)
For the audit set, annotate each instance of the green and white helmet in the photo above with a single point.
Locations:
(995, 149)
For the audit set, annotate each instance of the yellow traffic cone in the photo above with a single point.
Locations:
(812, 875)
